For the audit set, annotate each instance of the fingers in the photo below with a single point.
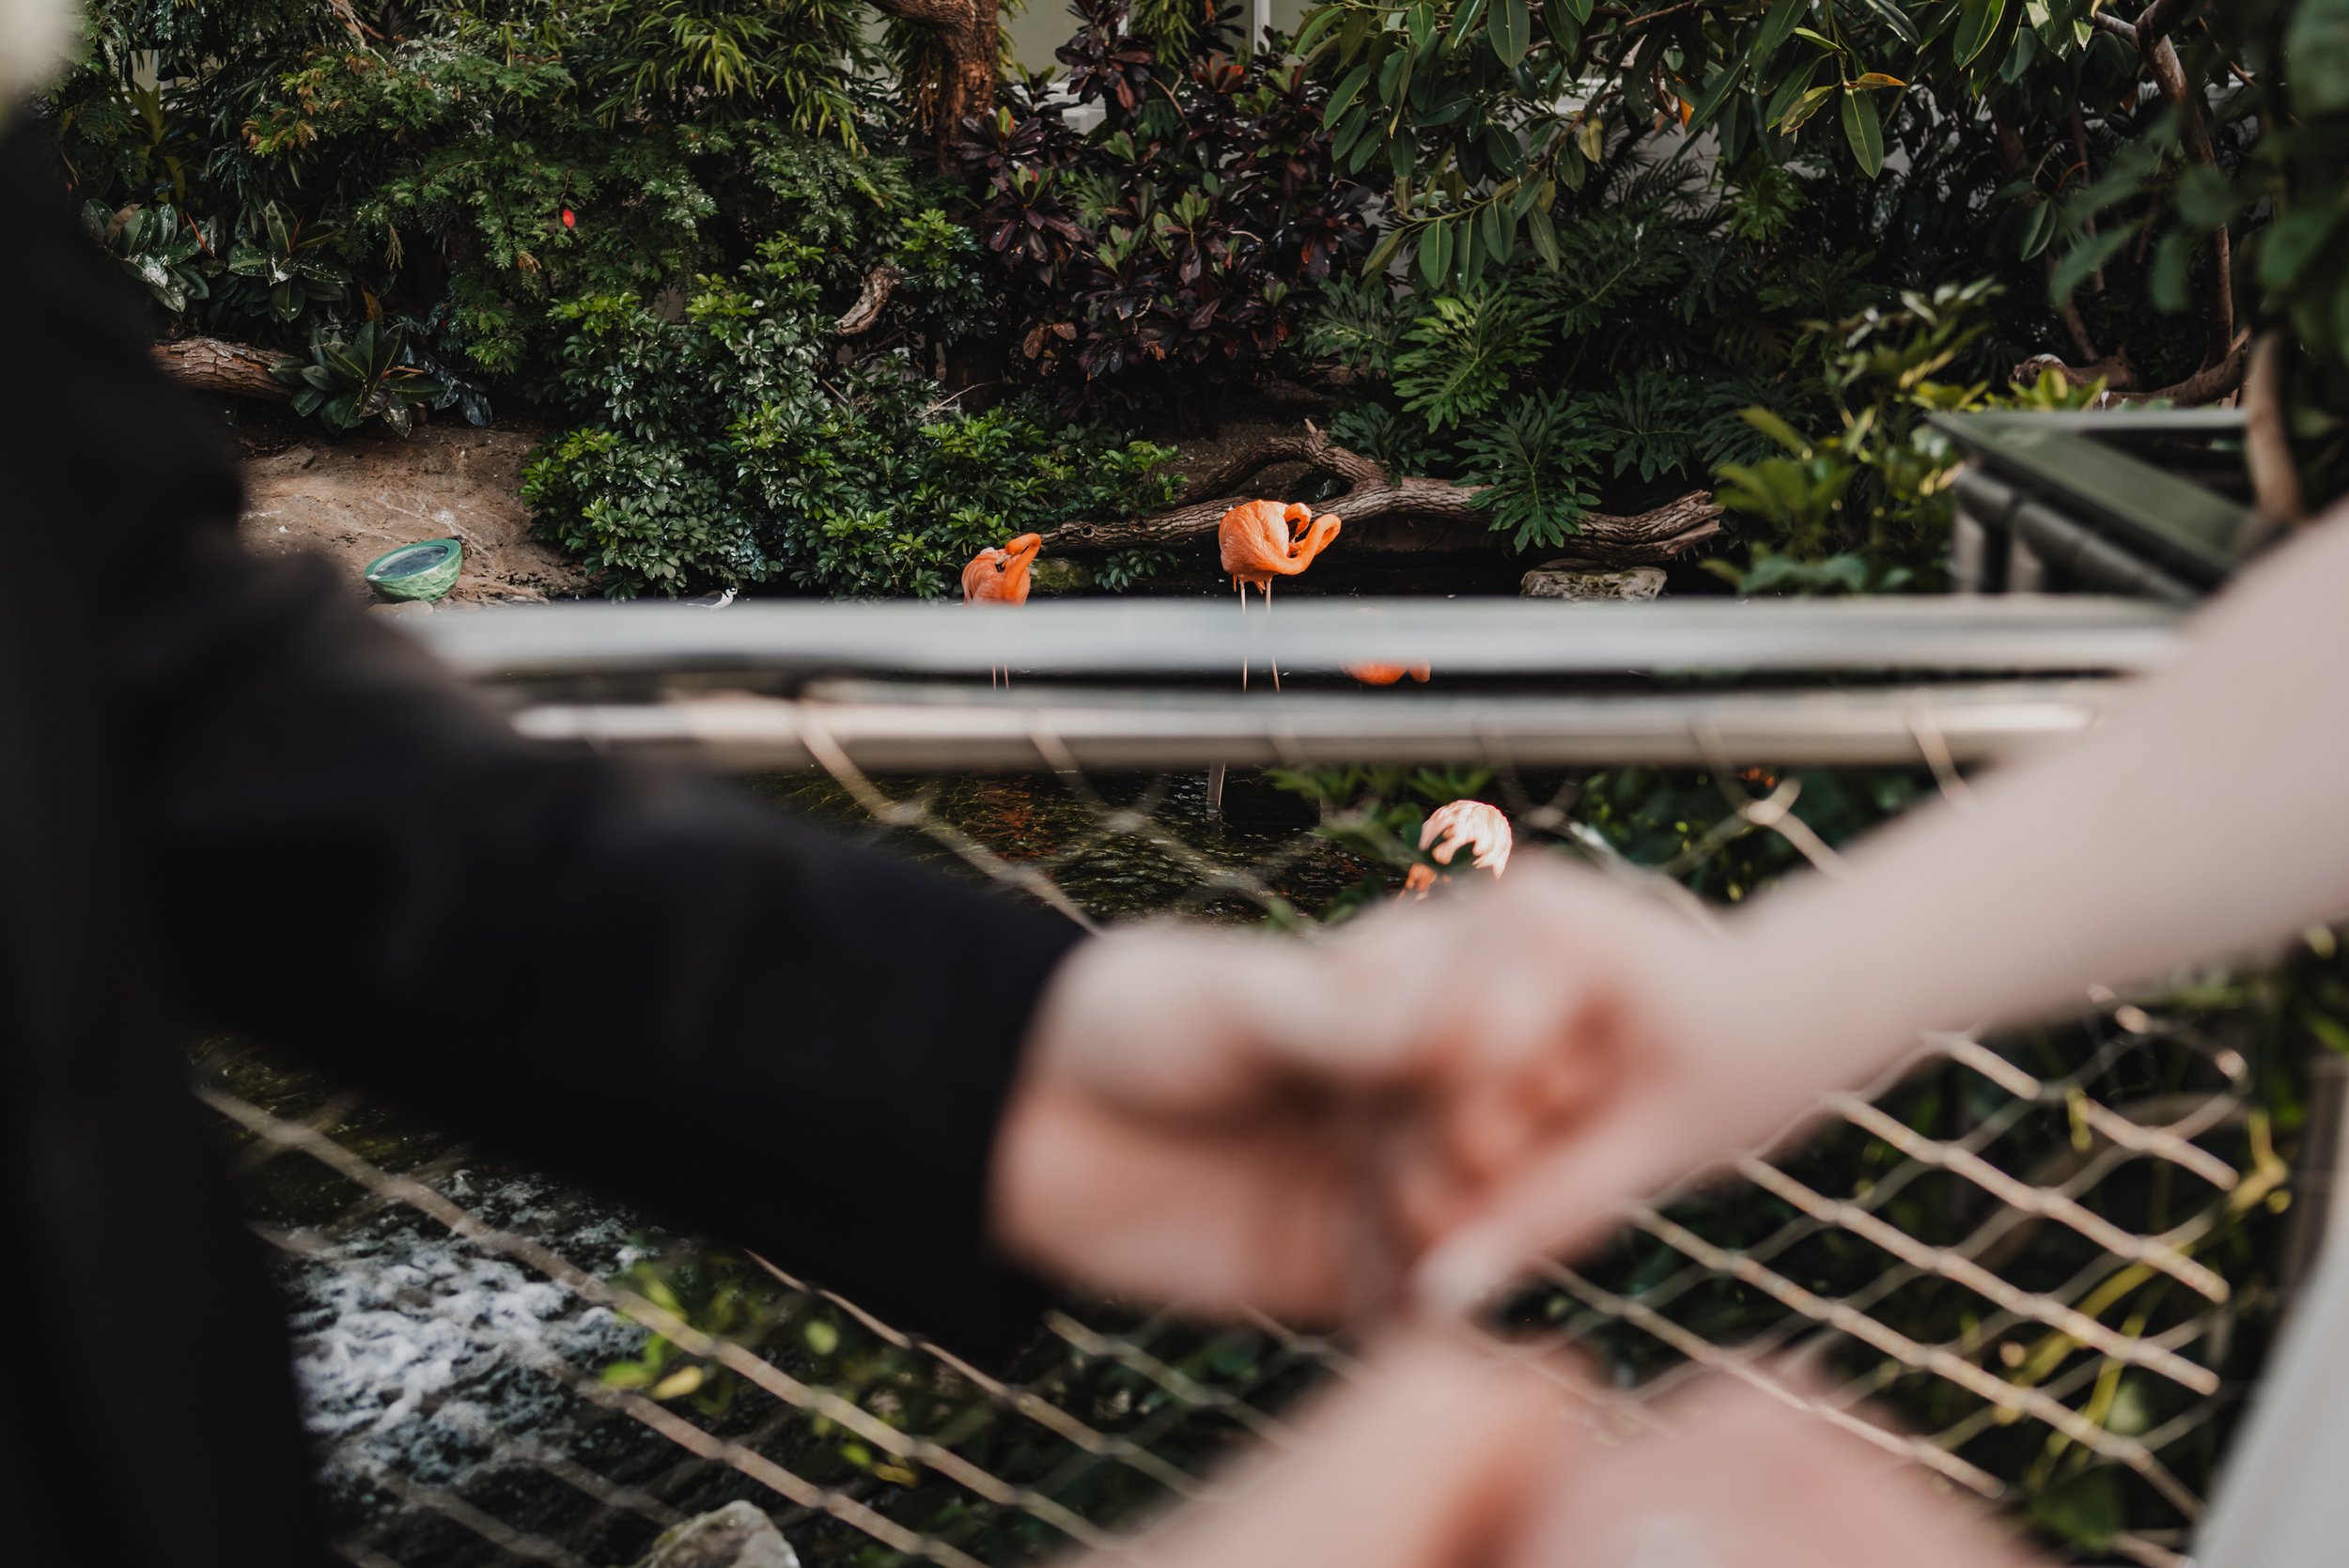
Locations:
(1428, 1459)
(1747, 1481)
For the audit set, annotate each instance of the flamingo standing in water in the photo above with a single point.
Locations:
(1001, 577)
(1463, 823)
(1261, 540)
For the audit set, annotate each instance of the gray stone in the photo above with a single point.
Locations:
(735, 1536)
(1589, 585)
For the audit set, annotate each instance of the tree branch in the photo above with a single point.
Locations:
(1372, 494)
(216, 365)
(878, 284)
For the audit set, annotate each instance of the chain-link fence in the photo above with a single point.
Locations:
(2054, 1258)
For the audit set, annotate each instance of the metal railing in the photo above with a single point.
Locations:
(2043, 1266)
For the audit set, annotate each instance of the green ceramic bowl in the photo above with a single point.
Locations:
(424, 571)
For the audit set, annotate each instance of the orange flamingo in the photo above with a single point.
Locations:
(1261, 540)
(1463, 823)
(1001, 577)
(1388, 675)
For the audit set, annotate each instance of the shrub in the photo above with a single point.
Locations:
(732, 446)
(1168, 252)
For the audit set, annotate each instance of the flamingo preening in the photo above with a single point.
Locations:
(1261, 540)
(1001, 577)
(1463, 823)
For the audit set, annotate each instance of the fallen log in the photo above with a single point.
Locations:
(216, 365)
(1372, 493)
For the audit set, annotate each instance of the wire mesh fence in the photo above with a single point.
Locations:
(2052, 1260)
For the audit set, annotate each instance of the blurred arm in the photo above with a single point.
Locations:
(641, 981)
(2205, 818)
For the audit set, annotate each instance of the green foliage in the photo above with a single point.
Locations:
(728, 446)
(1866, 507)
(352, 379)
(2145, 198)
(1464, 352)
(1628, 365)
(285, 270)
(157, 246)
(466, 162)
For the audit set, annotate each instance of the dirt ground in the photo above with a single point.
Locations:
(355, 498)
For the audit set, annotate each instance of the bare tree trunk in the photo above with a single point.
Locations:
(966, 31)
(215, 365)
(1372, 494)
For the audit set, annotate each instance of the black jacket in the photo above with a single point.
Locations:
(229, 799)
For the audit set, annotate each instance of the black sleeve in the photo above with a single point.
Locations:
(641, 981)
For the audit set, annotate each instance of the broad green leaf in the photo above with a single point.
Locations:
(2316, 57)
(1896, 19)
(1715, 96)
(1420, 21)
(1348, 87)
(2170, 280)
(1564, 31)
(1321, 22)
(1509, 27)
(1581, 8)
(1431, 254)
(1776, 29)
(1865, 132)
(1544, 234)
(2288, 248)
(2038, 226)
(2082, 262)
(1807, 105)
(1977, 24)
(1497, 231)
(1592, 138)
(1464, 24)
(1790, 92)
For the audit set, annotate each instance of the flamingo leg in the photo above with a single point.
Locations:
(1267, 610)
(1241, 589)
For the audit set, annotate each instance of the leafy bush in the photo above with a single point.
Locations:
(1867, 508)
(470, 165)
(349, 380)
(1166, 254)
(731, 446)
(1624, 368)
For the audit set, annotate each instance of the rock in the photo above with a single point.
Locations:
(402, 607)
(735, 1536)
(1586, 584)
(1052, 575)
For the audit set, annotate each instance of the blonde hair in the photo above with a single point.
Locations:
(35, 37)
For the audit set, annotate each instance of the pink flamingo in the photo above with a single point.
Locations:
(1462, 824)
(1260, 540)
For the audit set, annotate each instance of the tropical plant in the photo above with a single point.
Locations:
(287, 270)
(350, 379)
(2099, 145)
(1167, 252)
(159, 246)
(730, 447)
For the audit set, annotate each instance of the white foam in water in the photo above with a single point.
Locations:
(404, 1335)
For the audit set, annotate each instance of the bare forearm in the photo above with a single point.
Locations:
(2204, 818)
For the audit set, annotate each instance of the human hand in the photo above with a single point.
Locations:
(1598, 1044)
(1433, 1457)
(1742, 1480)
(1440, 1453)
(1192, 1124)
